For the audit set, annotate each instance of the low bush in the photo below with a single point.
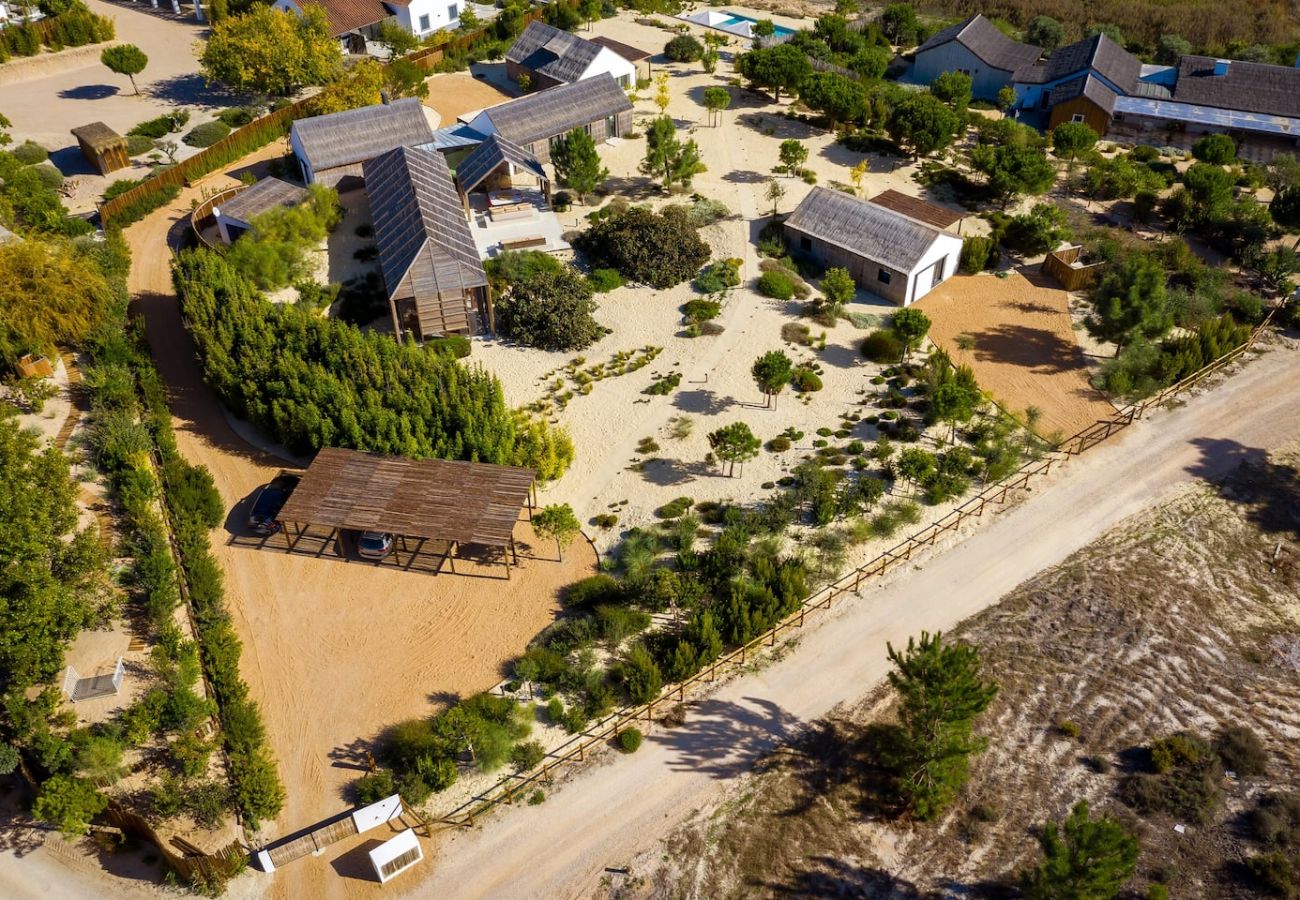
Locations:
(779, 444)
(1186, 781)
(605, 520)
(775, 284)
(593, 591)
(137, 145)
(206, 135)
(160, 127)
(29, 153)
(238, 116)
(700, 310)
(1241, 751)
(1275, 820)
(979, 254)
(662, 387)
(527, 755)
(718, 276)
(617, 623)
(684, 48)
(457, 346)
(604, 280)
(675, 508)
(805, 381)
(629, 740)
(882, 346)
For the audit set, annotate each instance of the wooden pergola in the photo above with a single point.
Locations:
(432, 507)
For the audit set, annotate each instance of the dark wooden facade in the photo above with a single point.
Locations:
(103, 147)
(1092, 115)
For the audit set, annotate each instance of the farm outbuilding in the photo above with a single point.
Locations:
(597, 105)
(334, 147)
(434, 278)
(235, 216)
(640, 59)
(103, 147)
(433, 508)
(888, 253)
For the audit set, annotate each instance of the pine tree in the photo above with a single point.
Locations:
(733, 444)
(940, 695)
(1087, 859)
(772, 372)
(578, 164)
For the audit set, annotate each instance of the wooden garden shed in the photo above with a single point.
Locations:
(103, 147)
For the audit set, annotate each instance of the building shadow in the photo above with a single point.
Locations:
(355, 863)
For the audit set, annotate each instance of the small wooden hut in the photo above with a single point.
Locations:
(103, 147)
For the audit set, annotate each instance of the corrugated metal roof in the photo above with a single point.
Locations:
(863, 228)
(454, 137)
(553, 52)
(555, 110)
(484, 159)
(425, 247)
(262, 196)
(1226, 119)
(356, 135)
(981, 37)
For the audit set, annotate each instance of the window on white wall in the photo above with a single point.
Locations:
(453, 12)
(424, 23)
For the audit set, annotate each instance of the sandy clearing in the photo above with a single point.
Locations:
(610, 814)
(453, 94)
(333, 651)
(1025, 350)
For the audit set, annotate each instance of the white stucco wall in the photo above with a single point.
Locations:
(947, 248)
(438, 12)
(607, 60)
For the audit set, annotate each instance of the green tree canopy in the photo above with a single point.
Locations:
(1131, 300)
(52, 293)
(1085, 859)
(911, 325)
(772, 372)
(1006, 97)
(269, 51)
(125, 59)
(1209, 187)
(1215, 149)
(898, 21)
(684, 48)
(871, 62)
(941, 692)
(733, 444)
(793, 154)
(716, 99)
(841, 100)
(1171, 48)
(1013, 171)
(922, 124)
(1285, 210)
(68, 804)
(551, 310)
(1070, 140)
(954, 89)
(558, 522)
(668, 158)
(659, 249)
(775, 69)
(50, 573)
(1045, 32)
(577, 164)
(274, 251)
(838, 288)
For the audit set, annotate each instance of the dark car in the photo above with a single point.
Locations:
(267, 503)
(374, 545)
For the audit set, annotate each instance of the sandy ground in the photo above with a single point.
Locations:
(1025, 351)
(613, 813)
(453, 94)
(334, 652)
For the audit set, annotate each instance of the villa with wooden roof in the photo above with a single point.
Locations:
(597, 105)
(334, 147)
(431, 267)
(550, 56)
(898, 257)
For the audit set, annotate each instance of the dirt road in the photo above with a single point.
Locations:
(606, 816)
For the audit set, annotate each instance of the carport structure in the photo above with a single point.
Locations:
(434, 508)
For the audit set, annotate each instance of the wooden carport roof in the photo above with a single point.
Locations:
(435, 499)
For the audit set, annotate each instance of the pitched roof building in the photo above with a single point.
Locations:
(332, 147)
(977, 48)
(550, 56)
(596, 104)
(235, 216)
(888, 253)
(432, 273)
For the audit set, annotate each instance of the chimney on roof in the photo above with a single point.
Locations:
(1221, 66)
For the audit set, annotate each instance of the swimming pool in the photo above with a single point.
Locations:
(737, 19)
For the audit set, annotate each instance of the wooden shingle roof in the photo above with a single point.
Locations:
(484, 159)
(555, 53)
(556, 110)
(922, 211)
(981, 37)
(98, 136)
(425, 247)
(1247, 86)
(356, 135)
(435, 499)
(863, 228)
(262, 196)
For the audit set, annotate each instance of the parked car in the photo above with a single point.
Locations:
(267, 503)
(374, 545)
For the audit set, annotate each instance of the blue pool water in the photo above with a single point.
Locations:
(736, 19)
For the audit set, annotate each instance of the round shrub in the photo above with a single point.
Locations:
(779, 444)
(629, 740)
(207, 134)
(805, 381)
(882, 346)
(605, 520)
(777, 285)
(684, 48)
(29, 153)
(593, 591)
(456, 346)
(658, 249)
(137, 144)
(602, 280)
(49, 174)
